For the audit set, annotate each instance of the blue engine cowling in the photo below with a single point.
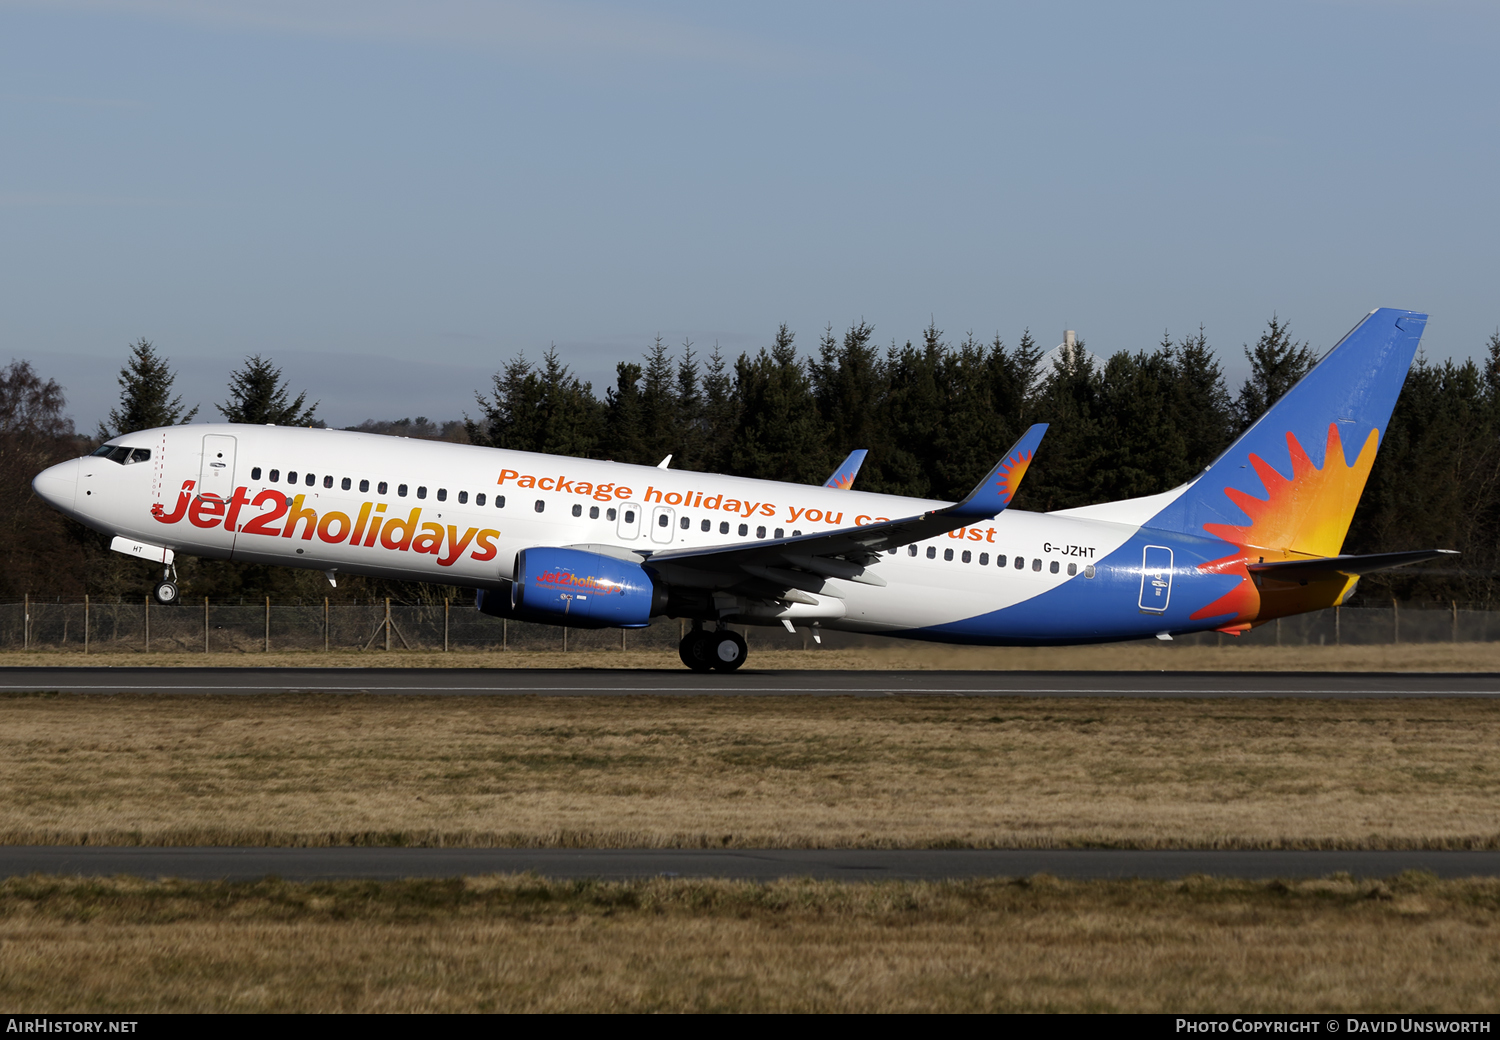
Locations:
(578, 588)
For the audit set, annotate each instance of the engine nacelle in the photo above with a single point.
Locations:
(582, 589)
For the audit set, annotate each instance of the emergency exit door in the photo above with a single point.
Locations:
(1156, 579)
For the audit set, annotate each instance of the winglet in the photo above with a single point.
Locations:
(995, 491)
(843, 477)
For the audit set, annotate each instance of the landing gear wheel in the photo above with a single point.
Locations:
(696, 650)
(165, 593)
(728, 650)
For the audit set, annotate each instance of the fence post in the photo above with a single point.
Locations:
(148, 624)
(1395, 622)
(268, 624)
(505, 633)
(26, 624)
(1454, 602)
(85, 622)
(325, 624)
(1278, 631)
(388, 624)
(1337, 635)
(622, 640)
(445, 624)
(565, 638)
(205, 624)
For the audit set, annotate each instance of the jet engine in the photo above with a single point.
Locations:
(577, 588)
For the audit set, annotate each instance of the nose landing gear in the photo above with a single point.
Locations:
(165, 591)
(720, 650)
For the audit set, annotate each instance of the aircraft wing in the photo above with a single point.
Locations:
(1343, 566)
(843, 477)
(846, 552)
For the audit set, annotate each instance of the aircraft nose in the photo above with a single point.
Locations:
(58, 485)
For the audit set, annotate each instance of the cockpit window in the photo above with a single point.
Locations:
(121, 454)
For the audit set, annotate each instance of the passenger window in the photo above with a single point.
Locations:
(364, 486)
(706, 525)
(685, 524)
(1036, 564)
(609, 514)
(1088, 570)
(479, 499)
(499, 501)
(760, 532)
(1020, 563)
(254, 472)
(310, 479)
(744, 530)
(346, 484)
(724, 527)
(463, 497)
(540, 505)
(662, 520)
(593, 512)
(967, 556)
(291, 476)
(948, 555)
(328, 482)
(382, 487)
(401, 490)
(911, 550)
(1053, 568)
(442, 494)
(932, 552)
(630, 516)
(999, 561)
(421, 491)
(984, 559)
(274, 475)
(577, 510)
(1072, 569)
(780, 533)
(796, 534)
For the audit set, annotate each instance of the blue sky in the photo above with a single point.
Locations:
(391, 199)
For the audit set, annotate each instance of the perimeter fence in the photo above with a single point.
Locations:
(94, 626)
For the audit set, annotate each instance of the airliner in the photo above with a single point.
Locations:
(593, 544)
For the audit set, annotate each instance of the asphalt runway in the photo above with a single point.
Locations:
(749, 682)
(312, 864)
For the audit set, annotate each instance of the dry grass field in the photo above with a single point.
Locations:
(750, 772)
(1412, 943)
(1151, 656)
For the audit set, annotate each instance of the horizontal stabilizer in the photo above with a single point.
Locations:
(1343, 566)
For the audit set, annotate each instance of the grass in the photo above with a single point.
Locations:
(836, 772)
(1152, 656)
(1411, 943)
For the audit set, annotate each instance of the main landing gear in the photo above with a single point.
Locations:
(165, 591)
(720, 650)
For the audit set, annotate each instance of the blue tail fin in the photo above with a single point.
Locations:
(1292, 480)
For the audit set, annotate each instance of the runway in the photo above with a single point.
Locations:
(749, 682)
(312, 864)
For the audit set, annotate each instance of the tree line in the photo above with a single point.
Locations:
(934, 414)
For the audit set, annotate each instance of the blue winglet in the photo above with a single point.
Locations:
(995, 491)
(843, 477)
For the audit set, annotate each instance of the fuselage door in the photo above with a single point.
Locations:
(1156, 579)
(629, 524)
(661, 523)
(216, 477)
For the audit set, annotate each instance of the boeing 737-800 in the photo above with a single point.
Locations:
(585, 543)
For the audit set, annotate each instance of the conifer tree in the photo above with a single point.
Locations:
(146, 400)
(257, 395)
(781, 436)
(1276, 363)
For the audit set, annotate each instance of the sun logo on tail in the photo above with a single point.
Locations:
(1307, 514)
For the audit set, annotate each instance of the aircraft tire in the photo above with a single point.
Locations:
(727, 650)
(696, 650)
(165, 593)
